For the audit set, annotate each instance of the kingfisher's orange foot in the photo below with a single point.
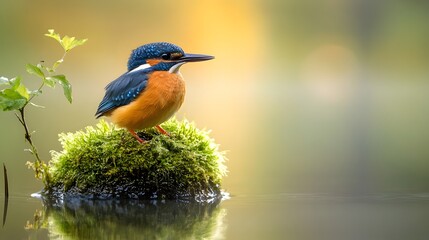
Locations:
(161, 130)
(136, 136)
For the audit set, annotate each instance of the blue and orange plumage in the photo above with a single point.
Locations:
(151, 91)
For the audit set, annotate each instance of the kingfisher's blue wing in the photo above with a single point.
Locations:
(123, 90)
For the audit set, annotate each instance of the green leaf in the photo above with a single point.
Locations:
(69, 43)
(41, 66)
(35, 70)
(51, 33)
(77, 42)
(67, 88)
(50, 81)
(18, 87)
(15, 82)
(4, 80)
(50, 70)
(11, 100)
(66, 42)
(22, 90)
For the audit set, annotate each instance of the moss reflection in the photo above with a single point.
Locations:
(130, 219)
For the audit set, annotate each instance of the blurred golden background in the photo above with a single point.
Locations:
(306, 96)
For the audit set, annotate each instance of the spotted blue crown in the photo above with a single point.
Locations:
(150, 51)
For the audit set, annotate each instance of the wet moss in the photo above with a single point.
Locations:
(107, 162)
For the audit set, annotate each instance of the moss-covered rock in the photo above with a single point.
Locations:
(107, 162)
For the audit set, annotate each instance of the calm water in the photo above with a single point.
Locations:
(276, 216)
(322, 107)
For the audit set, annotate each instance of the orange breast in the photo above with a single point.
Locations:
(162, 97)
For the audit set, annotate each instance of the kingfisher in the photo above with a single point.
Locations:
(151, 91)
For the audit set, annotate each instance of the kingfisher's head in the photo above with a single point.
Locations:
(162, 56)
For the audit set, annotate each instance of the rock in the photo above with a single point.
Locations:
(105, 162)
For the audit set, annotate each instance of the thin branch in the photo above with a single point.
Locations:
(16, 115)
(30, 141)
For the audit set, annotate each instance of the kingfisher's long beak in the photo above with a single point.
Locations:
(189, 57)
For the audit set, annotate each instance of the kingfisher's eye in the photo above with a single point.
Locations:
(166, 56)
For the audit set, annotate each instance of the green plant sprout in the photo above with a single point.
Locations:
(15, 96)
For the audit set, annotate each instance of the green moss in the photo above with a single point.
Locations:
(105, 162)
